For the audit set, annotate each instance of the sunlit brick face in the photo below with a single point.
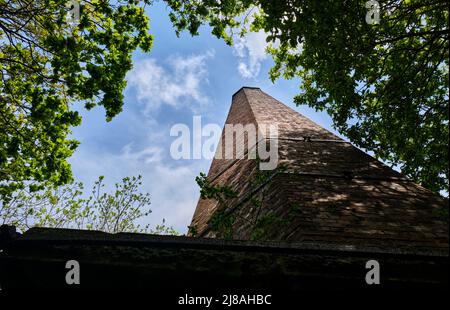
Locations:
(324, 190)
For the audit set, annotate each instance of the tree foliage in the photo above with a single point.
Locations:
(48, 64)
(67, 206)
(384, 84)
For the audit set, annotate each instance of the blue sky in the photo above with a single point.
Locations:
(179, 78)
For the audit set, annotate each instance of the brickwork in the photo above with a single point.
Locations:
(327, 191)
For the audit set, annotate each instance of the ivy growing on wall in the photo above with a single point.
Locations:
(222, 222)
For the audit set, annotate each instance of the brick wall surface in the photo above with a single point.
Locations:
(325, 190)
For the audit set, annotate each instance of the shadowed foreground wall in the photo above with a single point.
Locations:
(176, 265)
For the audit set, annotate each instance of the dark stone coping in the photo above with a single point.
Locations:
(36, 260)
(59, 236)
(243, 87)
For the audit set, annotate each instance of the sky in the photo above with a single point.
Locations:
(178, 79)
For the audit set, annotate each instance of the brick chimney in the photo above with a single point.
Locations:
(323, 191)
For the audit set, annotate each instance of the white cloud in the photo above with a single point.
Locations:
(174, 85)
(177, 82)
(173, 190)
(148, 155)
(251, 51)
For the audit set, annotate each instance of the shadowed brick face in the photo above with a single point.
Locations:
(324, 190)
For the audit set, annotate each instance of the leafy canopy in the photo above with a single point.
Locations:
(385, 85)
(50, 62)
